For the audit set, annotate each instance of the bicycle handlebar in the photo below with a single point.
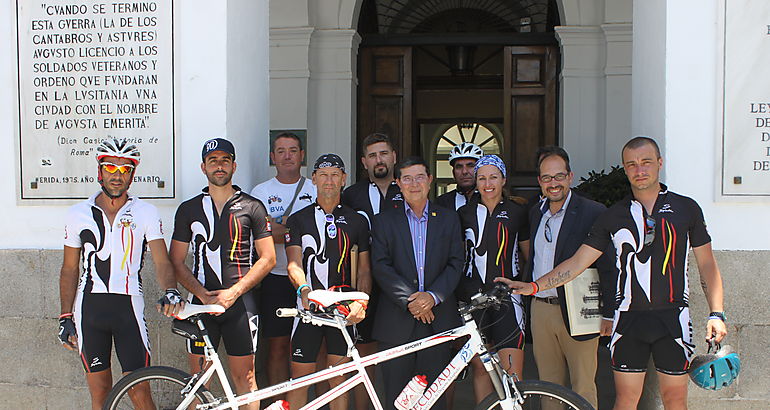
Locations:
(483, 300)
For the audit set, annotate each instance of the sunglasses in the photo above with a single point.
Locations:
(331, 227)
(649, 231)
(548, 233)
(113, 168)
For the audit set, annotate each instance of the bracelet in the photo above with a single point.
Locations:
(63, 315)
(299, 289)
(717, 315)
(535, 288)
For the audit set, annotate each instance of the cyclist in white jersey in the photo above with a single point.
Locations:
(111, 230)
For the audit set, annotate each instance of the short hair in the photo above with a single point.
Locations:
(286, 134)
(550, 151)
(640, 141)
(411, 161)
(372, 139)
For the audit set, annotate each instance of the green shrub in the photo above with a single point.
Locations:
(605, 188)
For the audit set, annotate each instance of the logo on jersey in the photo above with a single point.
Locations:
(287, 237)
(666, 208)
(341, 220)
(306, 197)
(298, 353)
(267, 224)
(273, 198)
(502, 215)
(397, 197)
(65, 232)
(95, 362)
(236, 206)
(160, 224)
(127, 221)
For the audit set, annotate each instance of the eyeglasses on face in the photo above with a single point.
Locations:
(412, 179)
(561, 176)
(649, 230)
(113, 168)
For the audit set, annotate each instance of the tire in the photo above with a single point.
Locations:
(536, 393)
(166, 384)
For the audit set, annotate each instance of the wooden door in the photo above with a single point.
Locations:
(530, 115)
(385, 97)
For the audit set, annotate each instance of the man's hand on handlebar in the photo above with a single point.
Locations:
(357, 312)
(519, 288)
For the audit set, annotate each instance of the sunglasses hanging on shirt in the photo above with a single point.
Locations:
(649, 230)
(331, 228)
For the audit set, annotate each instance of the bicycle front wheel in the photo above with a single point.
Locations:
(156, 387)
(540, 395)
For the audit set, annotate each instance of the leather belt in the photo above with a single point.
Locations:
(551, 300)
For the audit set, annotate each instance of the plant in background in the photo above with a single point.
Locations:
(606, 188)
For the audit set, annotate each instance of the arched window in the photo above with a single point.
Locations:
(488, 136)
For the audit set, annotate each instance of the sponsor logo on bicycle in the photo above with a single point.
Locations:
(438, 385)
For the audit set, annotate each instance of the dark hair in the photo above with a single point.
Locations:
(550, 151)
(640, 141)
(286, 134)
(374, 139)
(408, 163)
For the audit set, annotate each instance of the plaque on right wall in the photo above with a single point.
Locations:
(746, 121)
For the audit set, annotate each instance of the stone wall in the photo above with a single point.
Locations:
(41, 374)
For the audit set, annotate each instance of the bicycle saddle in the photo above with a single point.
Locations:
(326, 298)
(191, 309)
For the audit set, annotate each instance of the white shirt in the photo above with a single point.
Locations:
(545, 251)
(276, 197)
(112, 253)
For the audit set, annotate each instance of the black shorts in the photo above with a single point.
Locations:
(664, 334)
(365, 327)
(276, 291)
(101, 318)
(238, 326)
(503, 328)
(306, 341)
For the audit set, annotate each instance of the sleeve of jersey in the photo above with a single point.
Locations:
(599, 235)
(699, 236)
(293, 235)
(182, 229)
(154, 225)
(71, 234)
(364, 237)
(261, 228)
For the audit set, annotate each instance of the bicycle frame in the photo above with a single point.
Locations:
(358, 364)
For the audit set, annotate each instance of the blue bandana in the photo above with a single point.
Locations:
(490, 160)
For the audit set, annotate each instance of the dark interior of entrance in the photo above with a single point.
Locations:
(433, 74)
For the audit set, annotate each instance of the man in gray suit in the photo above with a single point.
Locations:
(417, 256)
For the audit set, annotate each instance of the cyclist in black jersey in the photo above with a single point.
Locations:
(221, 224)
(319, 243)
(111, 231)
(494, 231)
(652, 231)
(462, 159)
(369, 197)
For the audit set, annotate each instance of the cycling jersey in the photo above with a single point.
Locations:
(326, 244)
(653, 275)
(492, 241)
(113, 253)
(222, 244)
(455, 199)
(366, 198)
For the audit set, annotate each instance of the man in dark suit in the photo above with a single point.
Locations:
(417, 256)
(560, 223)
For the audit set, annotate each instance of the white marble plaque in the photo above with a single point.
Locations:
(746, 132)
(88, 70)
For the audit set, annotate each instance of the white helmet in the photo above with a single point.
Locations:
(465, 150)
(113, 147)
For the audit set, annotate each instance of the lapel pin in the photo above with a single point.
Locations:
(432, 214)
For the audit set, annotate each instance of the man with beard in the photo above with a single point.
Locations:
(652, 231)
(319, 239)
(463, 159)
(111, 230)
(369, 197)
(224, 225)
(283, 195)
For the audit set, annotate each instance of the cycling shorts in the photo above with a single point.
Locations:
(101, 318)
(306, 341)
(503, 328)
(238, 326)
(664, 334)
(276, 291)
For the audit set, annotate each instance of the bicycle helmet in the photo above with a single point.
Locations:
(713, 371)
(113, 147)
(465, 150)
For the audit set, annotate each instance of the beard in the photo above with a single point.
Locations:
(219, 180)
(380, 171)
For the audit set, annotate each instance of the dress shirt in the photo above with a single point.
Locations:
(545, 251)
(418, 229)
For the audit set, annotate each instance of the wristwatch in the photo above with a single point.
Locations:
(717, 315)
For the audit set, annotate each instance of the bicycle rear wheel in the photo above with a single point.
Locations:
(540, 395)
(165, 387)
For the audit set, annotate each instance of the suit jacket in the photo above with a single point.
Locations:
(580, 215)
(395, 271)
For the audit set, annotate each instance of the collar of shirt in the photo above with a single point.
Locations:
(545, 209)
(412, 215)
(92, 198)
(237, 189)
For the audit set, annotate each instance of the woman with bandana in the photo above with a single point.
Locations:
(494, 231)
